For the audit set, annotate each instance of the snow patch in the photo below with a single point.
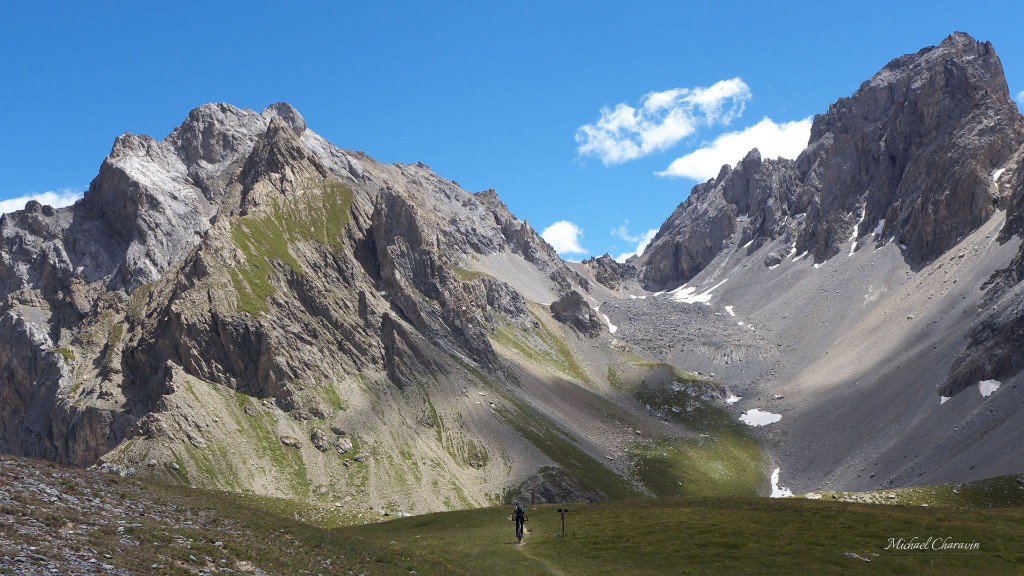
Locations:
(800, 257)
(732, 399)
(943, 400)
(739, 323)
(611, 327)
(632, 297)
(856, 227)
(729, 310)
(987, 387)
(878, 228)
(779, 491)
(688, 295)
(997, 174)
(756, 417)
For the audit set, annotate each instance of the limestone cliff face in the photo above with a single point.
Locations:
(908, 157)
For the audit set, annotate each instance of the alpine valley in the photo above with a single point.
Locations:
(245, 307)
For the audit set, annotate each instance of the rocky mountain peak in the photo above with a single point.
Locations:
(908, 157)
(215, 133)
(288, 114)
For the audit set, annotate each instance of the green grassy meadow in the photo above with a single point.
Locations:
(186, 531)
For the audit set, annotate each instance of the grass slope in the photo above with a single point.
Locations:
(150, 528)
(707, 536)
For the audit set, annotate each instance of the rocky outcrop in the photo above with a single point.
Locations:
(572, 309)
(910, 155)
(608, 272)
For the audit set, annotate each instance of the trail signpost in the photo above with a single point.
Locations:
(562, 511)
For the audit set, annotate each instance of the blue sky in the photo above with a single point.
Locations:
(493, 95)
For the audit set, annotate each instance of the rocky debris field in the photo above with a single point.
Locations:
(64, 521)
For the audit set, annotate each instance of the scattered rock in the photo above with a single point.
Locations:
(343, 445)
(853, 556)
(319, 439)
(290, 441)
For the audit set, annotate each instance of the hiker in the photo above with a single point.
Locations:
(520, 517)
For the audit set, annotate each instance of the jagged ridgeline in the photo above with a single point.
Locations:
(243, 305)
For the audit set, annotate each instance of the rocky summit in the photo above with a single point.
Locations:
(245, 306)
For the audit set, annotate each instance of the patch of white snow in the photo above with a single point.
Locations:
(688, 295)
(878, 227)
(732, 399)
(856, 227)
(943, 400)
(729, 310)
(611, 327)
(997, 174)
(779, 491)
(987, 387)
(756, 417)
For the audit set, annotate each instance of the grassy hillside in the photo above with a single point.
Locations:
(76, 521)
(709, 536)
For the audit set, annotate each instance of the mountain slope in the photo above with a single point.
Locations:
(243, 305)
(853, 290)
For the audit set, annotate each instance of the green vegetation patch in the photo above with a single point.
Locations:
(67, 353)
(542, 347)
(467, 275)
(998, 492)
(709, 465)
(721, 459)
(558, 446)
(317, 214)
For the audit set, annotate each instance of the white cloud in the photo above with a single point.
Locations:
(773, 140)
(564, 237)
(663, 119)
(622, 231)
(1020, 96)
(641, 241)
(57, 199)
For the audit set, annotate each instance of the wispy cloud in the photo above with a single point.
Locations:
(772, 140)
(58, 199)
(664, 118)
(641, 240)
(564, 237)
(1020, 96)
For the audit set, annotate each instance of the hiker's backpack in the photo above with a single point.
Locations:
(520, 512)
